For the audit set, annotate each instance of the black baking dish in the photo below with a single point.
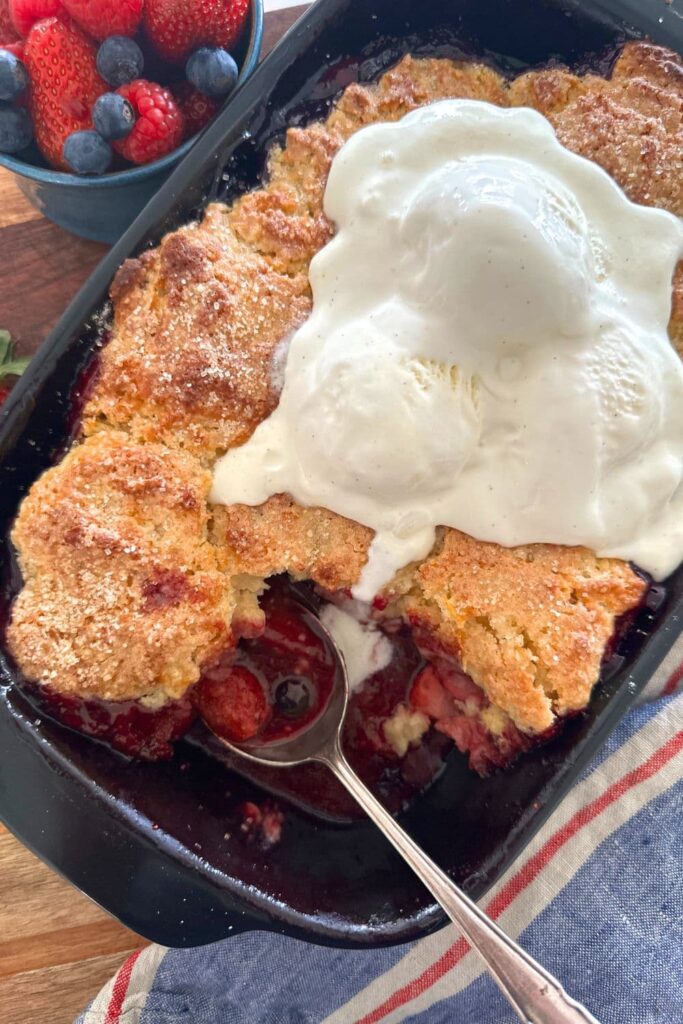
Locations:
(147, 841)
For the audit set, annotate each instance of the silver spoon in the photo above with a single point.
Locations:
(536, 996)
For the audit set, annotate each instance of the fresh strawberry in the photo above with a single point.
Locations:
(159, 126)
(196, 108)
(176, 27)
(61, 62)
(25, 13)
(16, 48)
(103, 18)
(7, 29)
(9, 366)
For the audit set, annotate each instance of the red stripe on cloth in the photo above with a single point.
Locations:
(121, 983)
(527, 874)
(673, 681)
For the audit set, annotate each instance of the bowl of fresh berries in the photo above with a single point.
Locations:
(99, 99)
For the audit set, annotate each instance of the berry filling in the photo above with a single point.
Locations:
(275, 685)
(460, 710)
(128, 726)
(400, 725)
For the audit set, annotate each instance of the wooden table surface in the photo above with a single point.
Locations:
(57, 948)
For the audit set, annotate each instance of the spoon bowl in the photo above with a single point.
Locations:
(320, 738)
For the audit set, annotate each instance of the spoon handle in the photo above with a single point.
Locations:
(536, 996)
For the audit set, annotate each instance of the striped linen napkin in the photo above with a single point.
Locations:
(597, 897)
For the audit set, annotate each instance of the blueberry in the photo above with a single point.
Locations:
(13, 76)
(113, 116)
(212, 71)
(16, 130)
(120, 60)
(293, 696)
(87, 153)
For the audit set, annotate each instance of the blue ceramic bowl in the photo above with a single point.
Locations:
(102, 208)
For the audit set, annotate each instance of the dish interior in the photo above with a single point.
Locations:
(186, 817)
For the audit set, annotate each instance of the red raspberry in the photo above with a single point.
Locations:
(197, 109)
(25, 13)
(232, 702)
(104, 18)
(159, 127)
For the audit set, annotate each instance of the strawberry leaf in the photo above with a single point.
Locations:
(5, 346)
(9, 366)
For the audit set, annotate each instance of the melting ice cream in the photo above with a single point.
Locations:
(487, 350)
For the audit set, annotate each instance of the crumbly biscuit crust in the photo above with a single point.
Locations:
(528, 624)
(191, 369)
(123, 596)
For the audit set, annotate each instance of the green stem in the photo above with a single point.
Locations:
(14, 368)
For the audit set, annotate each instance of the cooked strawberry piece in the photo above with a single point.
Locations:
(176, 28)
(459, 684)
(471, 737)
(232, 702)
(465, 731)
(251, 815)
(61, 62)
(25, 13)
(262, 823)
(103, 18)
(427, 694)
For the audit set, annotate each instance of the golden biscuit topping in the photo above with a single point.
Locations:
(124, 596)
(132, 581)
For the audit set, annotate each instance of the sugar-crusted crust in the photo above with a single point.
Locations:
(528, 624)
(124, 596)
(198, 325)
(197, 322)
(630, 124)
(281, 536)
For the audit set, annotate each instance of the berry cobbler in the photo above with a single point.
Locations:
(476, 538)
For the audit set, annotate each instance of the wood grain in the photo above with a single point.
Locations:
(54, 995)
(57, 948)
(43, 267)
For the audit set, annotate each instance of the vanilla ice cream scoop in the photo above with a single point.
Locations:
(503, 252)
(427, 409)
(487, 350)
